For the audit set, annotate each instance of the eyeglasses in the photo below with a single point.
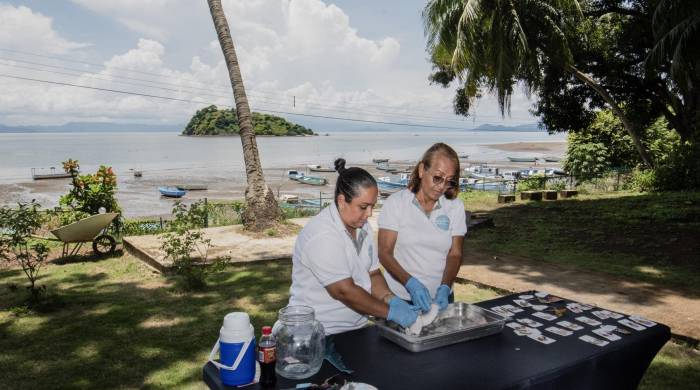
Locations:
(438, 180)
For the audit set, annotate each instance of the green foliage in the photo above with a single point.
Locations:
(585, 161)
(607, 130)
(90, 193)
(212, 121)
(141, 227)
(642, 180)
(637, 55)
(681, 170)
(225, 213)
(187, 248)
(16, 229)
(532, 183)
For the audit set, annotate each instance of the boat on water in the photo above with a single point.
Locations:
(522, 159)
(48, 173)
(384, 166)
(318, 168)
(481, 171)
(294, 174)
(541, 172)
(393, 182)
(463, 156)
(380, 160)
(171, 192)
(192, 187)
(311, 180)
(552, 159)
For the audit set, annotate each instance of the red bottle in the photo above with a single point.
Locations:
(267, 357)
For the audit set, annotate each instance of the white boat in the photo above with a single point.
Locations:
(43, 173)
(294, 174)
(393, 181)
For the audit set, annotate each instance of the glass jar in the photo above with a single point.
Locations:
(301, 343)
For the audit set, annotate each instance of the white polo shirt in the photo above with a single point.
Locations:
(423, 241)
(325, 253)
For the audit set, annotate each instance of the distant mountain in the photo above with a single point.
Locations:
(523, 127)
(84, 127)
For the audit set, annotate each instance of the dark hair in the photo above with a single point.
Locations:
(350, 180)
(427, 160)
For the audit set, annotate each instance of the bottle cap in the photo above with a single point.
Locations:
(266, 330)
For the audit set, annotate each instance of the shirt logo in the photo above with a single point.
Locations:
(442, 222)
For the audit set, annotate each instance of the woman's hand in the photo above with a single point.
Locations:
(419, 294)
(442, 296)
(401, 312)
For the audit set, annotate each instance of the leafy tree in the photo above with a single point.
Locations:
(212, 121)
(492, 45)
(585, 160)
(676, 31)
(16, 229)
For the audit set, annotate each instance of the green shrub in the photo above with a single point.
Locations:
(90, 193)
(532, 183)
(187, 248)
(642, 180)
(585, 161)
(17, 225)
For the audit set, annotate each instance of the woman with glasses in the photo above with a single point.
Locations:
(335, 268)
(421, 231)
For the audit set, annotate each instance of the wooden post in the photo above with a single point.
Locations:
(550, 195)
(506, 198)
(531, 195)
(206, 213)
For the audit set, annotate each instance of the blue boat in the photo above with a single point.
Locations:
(172, 192)
(391, 184)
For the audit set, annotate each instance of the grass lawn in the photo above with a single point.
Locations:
(114, 323)
(647, 237)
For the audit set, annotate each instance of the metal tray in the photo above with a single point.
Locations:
(459, 322)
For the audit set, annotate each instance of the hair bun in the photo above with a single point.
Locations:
(339, 165)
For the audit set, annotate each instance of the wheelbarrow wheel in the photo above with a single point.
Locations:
(104, 244)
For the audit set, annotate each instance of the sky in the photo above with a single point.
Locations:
(355, 59)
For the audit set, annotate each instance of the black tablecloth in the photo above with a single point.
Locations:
(502, 361)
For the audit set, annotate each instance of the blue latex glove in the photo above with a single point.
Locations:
(419, 294)
(401, 312)
(442, 296)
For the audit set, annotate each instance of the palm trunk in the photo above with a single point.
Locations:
(628, 125)
(261, 209)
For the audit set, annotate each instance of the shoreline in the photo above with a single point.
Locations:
(139, 197)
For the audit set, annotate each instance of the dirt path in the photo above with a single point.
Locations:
(677, 309)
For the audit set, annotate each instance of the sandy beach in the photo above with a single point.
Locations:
(556, 148)
(139, 197)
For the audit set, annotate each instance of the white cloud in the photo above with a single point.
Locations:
(23, 29)
(303, 48)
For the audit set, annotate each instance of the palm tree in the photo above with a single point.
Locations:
(261, 209)
(676, 26)
(497, 43)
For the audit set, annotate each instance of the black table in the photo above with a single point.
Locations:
(502, 361)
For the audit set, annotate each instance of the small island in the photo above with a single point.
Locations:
(212, 121)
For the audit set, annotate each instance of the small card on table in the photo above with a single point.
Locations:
(594, 341)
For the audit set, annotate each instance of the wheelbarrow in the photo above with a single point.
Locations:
(88, 229)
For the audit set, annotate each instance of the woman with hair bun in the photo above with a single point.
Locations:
(421, 231)
(335, 268)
